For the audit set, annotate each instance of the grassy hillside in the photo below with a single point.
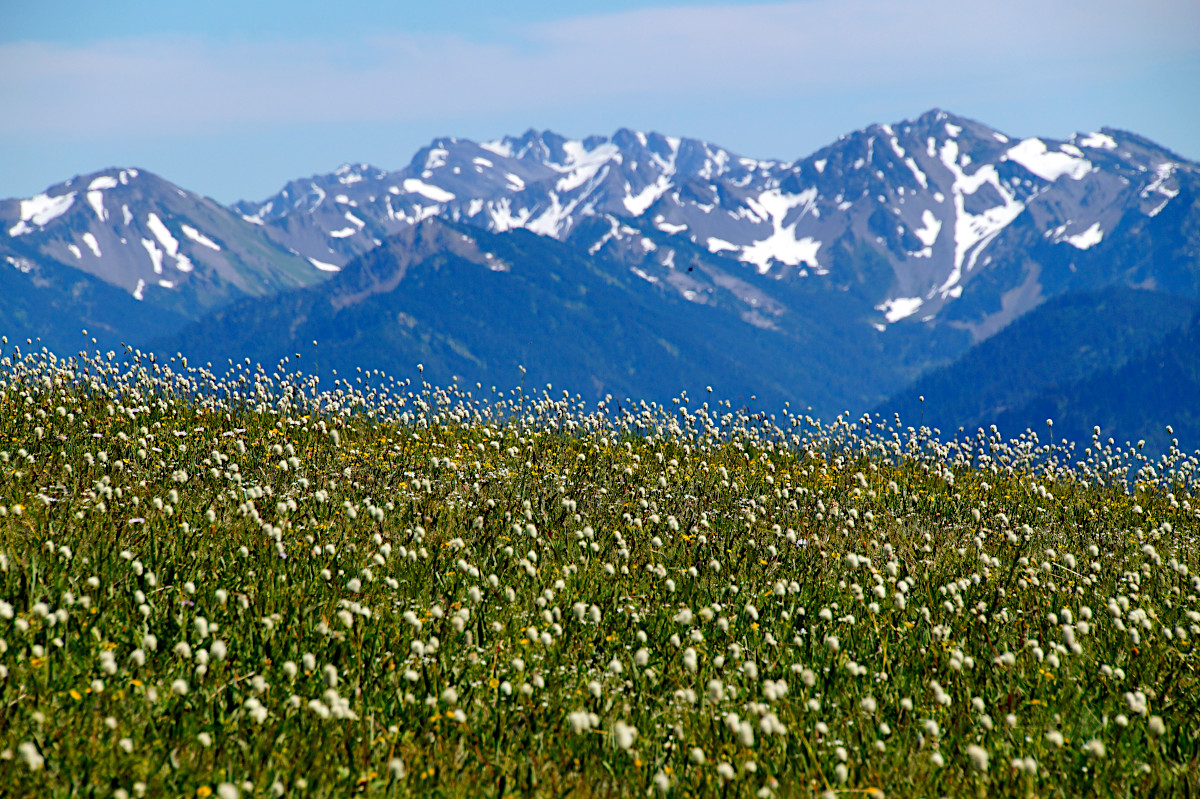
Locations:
(228, 587)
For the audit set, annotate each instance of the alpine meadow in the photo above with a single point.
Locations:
(666, 399)
(242, 585)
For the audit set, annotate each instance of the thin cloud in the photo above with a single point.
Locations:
(697, 54)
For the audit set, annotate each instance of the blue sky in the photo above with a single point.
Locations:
(233, 99)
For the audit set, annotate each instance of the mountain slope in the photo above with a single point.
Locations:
(1052, 348)
(42, 299)
(473, 305)
(160, 244)
(1134, 401)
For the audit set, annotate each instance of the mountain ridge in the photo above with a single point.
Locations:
(587, 326)
(871, 261)
(666, 183)
(160, 243)
(934, 196)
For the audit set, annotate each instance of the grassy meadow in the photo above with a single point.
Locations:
(238, 585)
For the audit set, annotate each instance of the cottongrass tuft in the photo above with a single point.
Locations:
(1156, 727)
(978, 756)
(624, 735)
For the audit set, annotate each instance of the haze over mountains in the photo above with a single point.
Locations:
(641, 265)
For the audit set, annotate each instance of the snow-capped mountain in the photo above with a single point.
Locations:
(937, 200)
(150, 238)
(862, 265)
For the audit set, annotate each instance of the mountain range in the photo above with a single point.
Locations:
(641, 265)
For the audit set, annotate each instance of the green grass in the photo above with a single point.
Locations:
(417, 592)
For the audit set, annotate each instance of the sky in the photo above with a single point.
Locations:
(233, 99)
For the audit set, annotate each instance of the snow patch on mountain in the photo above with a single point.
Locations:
(435, 160)
(323, 266)
(169, 242)
(927, 234)
(900, 308)
(349, 174)
(498, 147)
(667, 227)
(582, 165)
(93, 245)
(156, 256)
(1049, 165)
(95, 194)
(41, 210)
(502, 218)
(973, 232)
(1087, 239)
(199, 238)
(784, 247)
(719, 245)
(438, 195)
(96, 201)
(643, 275)
(553, 219)
(1162, 173)
(782, 244)
(22, 265)
(613, 227)
(638, 203)
(1098, 141)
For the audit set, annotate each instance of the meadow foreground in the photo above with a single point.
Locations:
(241, 586)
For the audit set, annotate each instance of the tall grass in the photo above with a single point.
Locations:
(242, 585)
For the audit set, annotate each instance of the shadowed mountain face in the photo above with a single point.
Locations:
(1150, 397)
(1052, 352)
(476, 306)
(644, 264)
(43, 300)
